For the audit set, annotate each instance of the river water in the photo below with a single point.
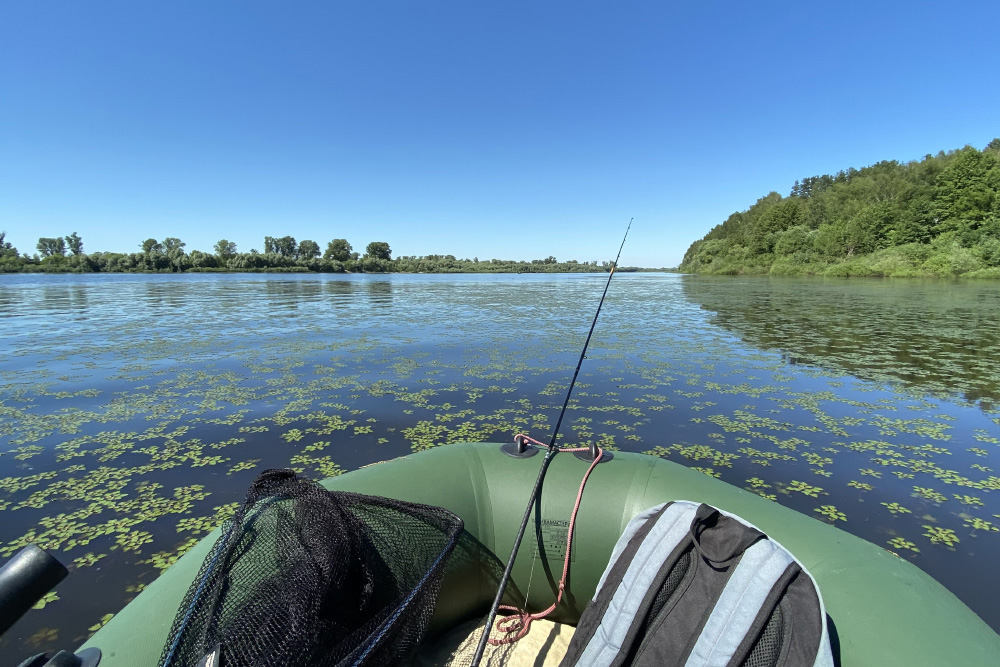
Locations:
(136, 409)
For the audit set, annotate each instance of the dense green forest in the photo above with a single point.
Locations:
(939, 216)
(64, 254)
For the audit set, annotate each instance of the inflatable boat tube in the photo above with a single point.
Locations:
(883, 610)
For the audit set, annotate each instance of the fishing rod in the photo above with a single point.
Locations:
(552, 450)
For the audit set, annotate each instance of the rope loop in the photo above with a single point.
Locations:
(522, 439)
(517, 624)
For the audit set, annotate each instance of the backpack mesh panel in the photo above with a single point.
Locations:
(670, 584)
(767, 649)
(674, 578)
(306, 576)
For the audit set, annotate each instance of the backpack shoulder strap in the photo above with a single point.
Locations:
(736, 609)
(766, 573)
(627, 579)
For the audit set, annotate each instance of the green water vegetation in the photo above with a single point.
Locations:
(99, 499)
(284, 254)
(939, 216)
(119, 453)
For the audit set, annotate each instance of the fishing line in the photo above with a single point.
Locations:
(531, 576)
(552, 450)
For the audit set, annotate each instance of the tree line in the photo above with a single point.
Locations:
(939, 216)
(281, 254)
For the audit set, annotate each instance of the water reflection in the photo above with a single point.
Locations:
(164, 296)
(942, 337)
(9, 299)
(379, 292)
(292, 294)
(340, 292)
(63, 298)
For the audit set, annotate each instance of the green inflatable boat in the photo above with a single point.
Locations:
(884, 610)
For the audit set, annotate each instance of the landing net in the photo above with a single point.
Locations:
(306, 576)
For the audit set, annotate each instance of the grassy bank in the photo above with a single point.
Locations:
(914, 260)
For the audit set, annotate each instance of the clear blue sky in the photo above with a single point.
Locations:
(492, 129)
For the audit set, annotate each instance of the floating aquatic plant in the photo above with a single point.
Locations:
(930, 494)
(243, 465)
(101, 623)
(939, 535)
(162, 560)
(44, 637)
(900, 543)
(980, 524)
(51, 596)
(805, 489)
(831, 512)
(896, 508)
(88, 559)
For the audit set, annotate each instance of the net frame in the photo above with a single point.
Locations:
(305, 576)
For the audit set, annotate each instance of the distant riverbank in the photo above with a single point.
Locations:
(518, 267)
(914, 260)
(281, 255)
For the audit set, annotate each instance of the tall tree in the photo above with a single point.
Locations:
(75, 244)
(174, 249)
(50, 247)
(6, 249)
(965, 190)
(378, 250)
(151, 247)
(173, 246)
(339, 250)
(285, 246)
(225, 250)
(308, 249)
(776, 218)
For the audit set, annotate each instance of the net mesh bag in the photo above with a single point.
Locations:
(306, 576)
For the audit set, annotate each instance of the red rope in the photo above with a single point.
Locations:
(520, 621)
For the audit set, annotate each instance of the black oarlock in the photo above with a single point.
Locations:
(24, 580)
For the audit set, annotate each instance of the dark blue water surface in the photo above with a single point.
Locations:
(136, 409)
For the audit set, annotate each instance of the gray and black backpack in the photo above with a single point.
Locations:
(688, 584)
